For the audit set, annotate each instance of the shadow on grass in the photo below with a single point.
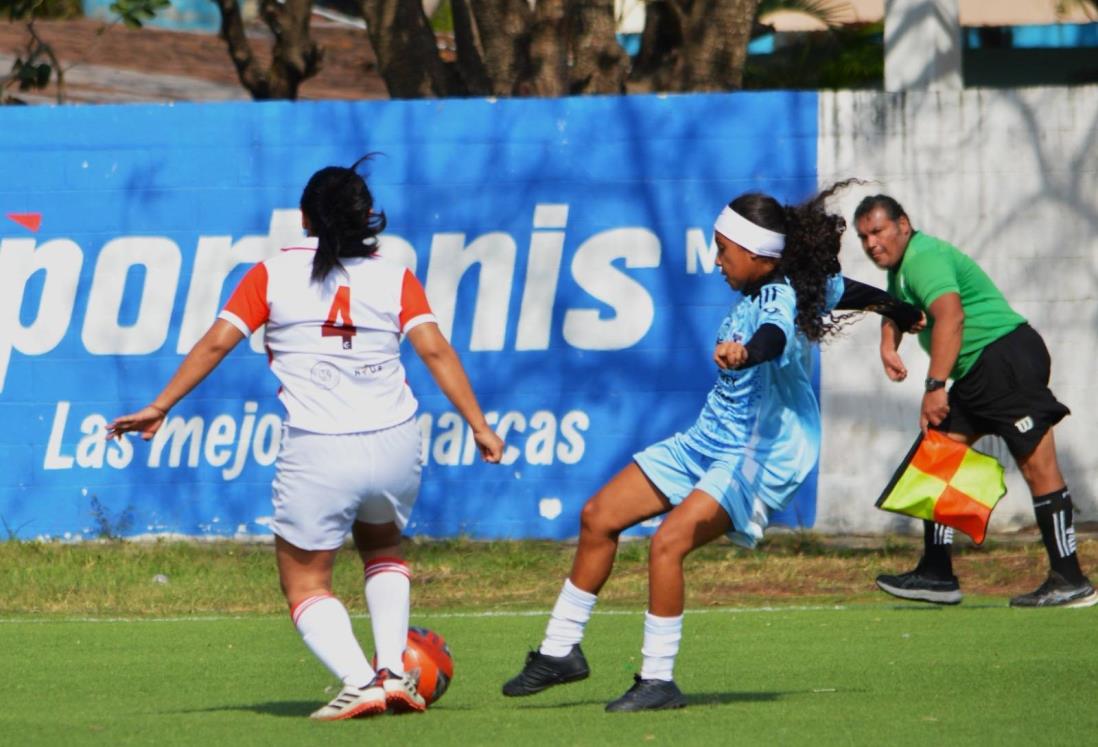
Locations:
(924, 607)
(291, 708)
(294, 708)
(693, 699)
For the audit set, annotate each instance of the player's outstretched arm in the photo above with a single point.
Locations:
(858, 296)
(221, 338)
(442, 361)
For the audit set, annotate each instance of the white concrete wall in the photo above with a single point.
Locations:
(1010, 177)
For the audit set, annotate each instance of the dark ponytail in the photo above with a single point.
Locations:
(811, 255)
(339, 208)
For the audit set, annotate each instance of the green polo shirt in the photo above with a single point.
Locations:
(929, 269)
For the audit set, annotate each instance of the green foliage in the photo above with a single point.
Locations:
(17, 10)
(846, 57)
(134, 13)
(29, 72)
(442, 20)
(30, 76)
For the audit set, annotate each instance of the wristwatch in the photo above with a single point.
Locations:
(932, 384)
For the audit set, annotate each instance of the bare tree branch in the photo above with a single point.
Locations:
(295, 57)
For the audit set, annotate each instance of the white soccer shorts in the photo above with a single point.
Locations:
(324, 482)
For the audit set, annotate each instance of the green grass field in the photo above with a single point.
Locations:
(862, 671)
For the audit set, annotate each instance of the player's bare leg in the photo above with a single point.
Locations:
(627, 499)
(322, 621)
(698, 520)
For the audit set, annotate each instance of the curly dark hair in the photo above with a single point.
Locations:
(340, 209)
(812, 240)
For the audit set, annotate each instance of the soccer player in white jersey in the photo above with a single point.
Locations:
(754, 443)
(335, 313)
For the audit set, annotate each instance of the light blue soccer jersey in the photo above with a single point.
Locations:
(764, 421)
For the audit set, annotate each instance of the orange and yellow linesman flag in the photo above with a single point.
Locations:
(945, 481)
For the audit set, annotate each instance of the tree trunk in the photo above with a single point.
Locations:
(599, 65)
(715, 37)
(406, 50)
(548, 71)
(295, 56)
(294, 59)
(694, 45)
(470, 50)
(661, 45)
(505, 32)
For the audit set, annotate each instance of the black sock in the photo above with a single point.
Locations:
(937, 549)
(1054, 517)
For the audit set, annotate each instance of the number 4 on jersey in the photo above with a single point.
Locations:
(341, 309)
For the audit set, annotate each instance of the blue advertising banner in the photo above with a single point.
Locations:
(564, 246)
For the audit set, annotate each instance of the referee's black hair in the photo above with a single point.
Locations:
(893, 209)
(811, 255)
(340, 209)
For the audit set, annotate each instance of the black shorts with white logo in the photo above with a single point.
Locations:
(1006, 393)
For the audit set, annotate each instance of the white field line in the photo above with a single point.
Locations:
(415, 617)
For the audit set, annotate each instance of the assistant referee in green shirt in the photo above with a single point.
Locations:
(1000, 367)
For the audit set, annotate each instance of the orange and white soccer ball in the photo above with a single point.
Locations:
(427, 656)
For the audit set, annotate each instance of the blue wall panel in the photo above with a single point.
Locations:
(141, 208)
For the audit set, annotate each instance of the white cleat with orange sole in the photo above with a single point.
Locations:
(401, 695)
(353, 702)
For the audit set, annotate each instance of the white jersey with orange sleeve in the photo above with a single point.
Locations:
(334, 345)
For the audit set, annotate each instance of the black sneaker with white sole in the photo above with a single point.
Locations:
(542, 671)
(1057, 591)
(648, 695)
(919, 586)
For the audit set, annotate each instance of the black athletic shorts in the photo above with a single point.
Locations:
(1006, 393)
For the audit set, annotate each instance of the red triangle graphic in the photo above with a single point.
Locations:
(32, 221)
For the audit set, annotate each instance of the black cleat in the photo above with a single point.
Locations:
(542, 671)
(1057, 591)
(648, 695)
(919, 586)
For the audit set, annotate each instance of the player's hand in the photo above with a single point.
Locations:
(730, 355)
(935, 409)
(490, 445)
(893, 364)
(146, 421)
(920, 325)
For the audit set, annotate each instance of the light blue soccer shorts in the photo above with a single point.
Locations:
(676, 469)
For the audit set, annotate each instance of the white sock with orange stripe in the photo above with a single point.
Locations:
(388, 594)
(325, 627)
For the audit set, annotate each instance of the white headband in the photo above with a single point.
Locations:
(751, 236)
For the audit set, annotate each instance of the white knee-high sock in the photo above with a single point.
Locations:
(568, 619)
(388, 595)
(661, 646)
(325, 627)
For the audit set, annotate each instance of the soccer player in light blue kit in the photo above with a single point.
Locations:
(754, 443)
